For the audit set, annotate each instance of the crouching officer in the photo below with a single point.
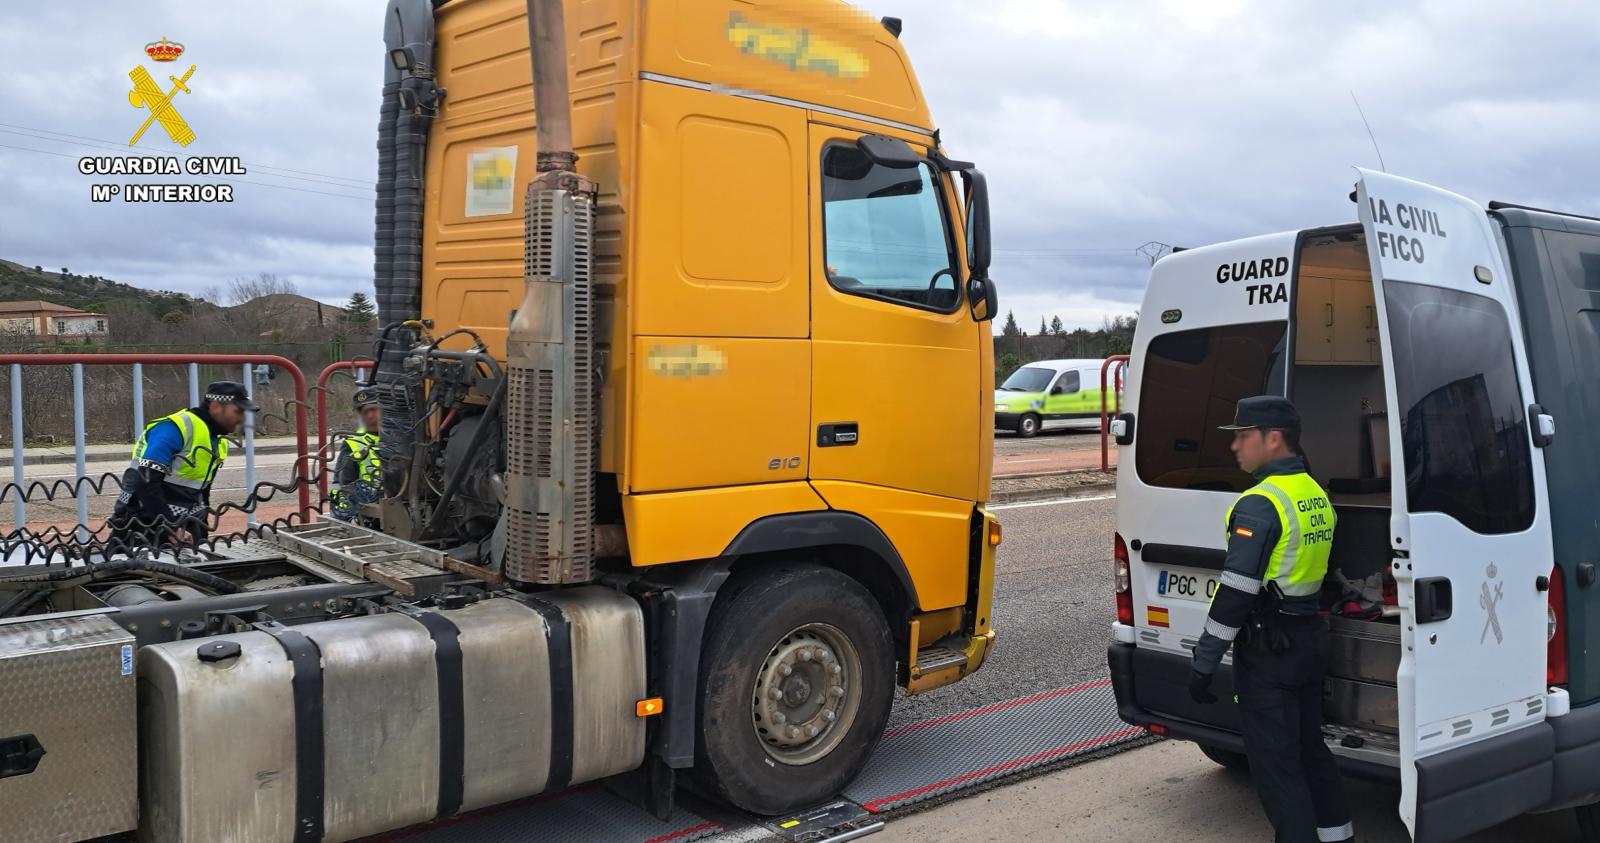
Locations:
(1280, 533)
(166, 489)
(358, 473)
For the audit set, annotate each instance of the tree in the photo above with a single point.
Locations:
(1056, 328)
(1008, 363)
(174, 319)
(1011, 329)
(1042, 329)
(38, 269)
(241, 289)
(64, 272)
(359, 312)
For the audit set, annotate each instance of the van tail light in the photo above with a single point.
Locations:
(1556, 658)
(1124, 583)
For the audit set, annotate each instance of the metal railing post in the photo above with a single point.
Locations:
(249, 448)
(194, 384)
(1105, 415)
(19, 507)
(138, 401)
(79, 457)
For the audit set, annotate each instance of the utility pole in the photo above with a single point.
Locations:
(1154, 251)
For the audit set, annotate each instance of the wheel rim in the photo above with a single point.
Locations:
(1029, 426)
(807, 693)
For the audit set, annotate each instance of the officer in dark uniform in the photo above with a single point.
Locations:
(1280, 533)
(166, 489)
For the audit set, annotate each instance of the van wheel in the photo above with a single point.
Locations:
(1226, 758)
(1588, 822)
(796, 679)
(1028, 426)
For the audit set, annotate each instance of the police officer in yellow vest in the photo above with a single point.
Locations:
(358, 473)
(1266, 608)
(166, 489)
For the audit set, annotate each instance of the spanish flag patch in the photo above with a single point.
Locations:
(1157, 616)
(1244, 531)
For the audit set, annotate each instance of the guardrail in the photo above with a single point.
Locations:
(138, 362)
(1121, 361)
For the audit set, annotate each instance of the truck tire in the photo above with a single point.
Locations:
(1226, 758)
(796, 679)
(1028, 425)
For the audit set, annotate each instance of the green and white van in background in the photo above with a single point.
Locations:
(1049, 395)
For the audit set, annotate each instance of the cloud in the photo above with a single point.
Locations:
(1101, 126)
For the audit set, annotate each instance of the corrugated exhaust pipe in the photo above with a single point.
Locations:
(550, 399)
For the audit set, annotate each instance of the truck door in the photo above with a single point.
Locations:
(1469, 527)
(897, 397)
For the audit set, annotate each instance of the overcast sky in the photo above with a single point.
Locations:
(1102, 125)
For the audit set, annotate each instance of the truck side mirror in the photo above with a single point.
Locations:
(981, 296)
(977, 222)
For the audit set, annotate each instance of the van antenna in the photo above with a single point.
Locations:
(1374, 138)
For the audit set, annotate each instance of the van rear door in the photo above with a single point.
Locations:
(1469, 527)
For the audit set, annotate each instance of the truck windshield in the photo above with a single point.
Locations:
(1463, 424)
(884, 231)
(1029, 379)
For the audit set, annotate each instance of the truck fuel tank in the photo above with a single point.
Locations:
(345, 728)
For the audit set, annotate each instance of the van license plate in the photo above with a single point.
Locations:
(1185, 586)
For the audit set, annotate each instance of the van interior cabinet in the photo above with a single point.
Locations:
(1336, 320)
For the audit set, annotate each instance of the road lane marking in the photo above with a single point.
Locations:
(1052, 502)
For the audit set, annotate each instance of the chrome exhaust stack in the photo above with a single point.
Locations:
(550, 398)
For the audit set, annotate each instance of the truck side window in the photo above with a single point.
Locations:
(1067, 384)
(1192, 380)
(885, 232)
(1464, 429)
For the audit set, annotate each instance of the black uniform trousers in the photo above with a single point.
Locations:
(1280, 708)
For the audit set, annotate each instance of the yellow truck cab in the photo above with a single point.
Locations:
(779, 246)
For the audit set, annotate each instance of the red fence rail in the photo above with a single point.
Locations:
(300, 465)
(1121, 361)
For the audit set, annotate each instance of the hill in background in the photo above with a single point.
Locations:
(86, 292)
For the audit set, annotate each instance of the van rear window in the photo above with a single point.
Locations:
(1192, 380)
(1464, 428)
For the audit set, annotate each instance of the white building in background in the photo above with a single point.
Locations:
(42, 318)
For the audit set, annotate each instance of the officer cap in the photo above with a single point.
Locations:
(1268, 412)
(364, 397)
(230, 392)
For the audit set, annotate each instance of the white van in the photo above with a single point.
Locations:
(1051, 395)
(1478, 688)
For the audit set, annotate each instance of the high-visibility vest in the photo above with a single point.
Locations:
(196, 463)
(1300, 558)
(363, 447)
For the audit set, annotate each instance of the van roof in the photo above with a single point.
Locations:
(1062, 365)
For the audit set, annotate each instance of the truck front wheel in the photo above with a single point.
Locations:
(797, 677)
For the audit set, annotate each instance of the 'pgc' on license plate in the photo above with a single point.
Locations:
(1186, 586)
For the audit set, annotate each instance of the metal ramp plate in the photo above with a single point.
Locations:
(358, 553)
(933, 759)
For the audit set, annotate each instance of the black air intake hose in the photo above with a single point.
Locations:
(408, 39)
